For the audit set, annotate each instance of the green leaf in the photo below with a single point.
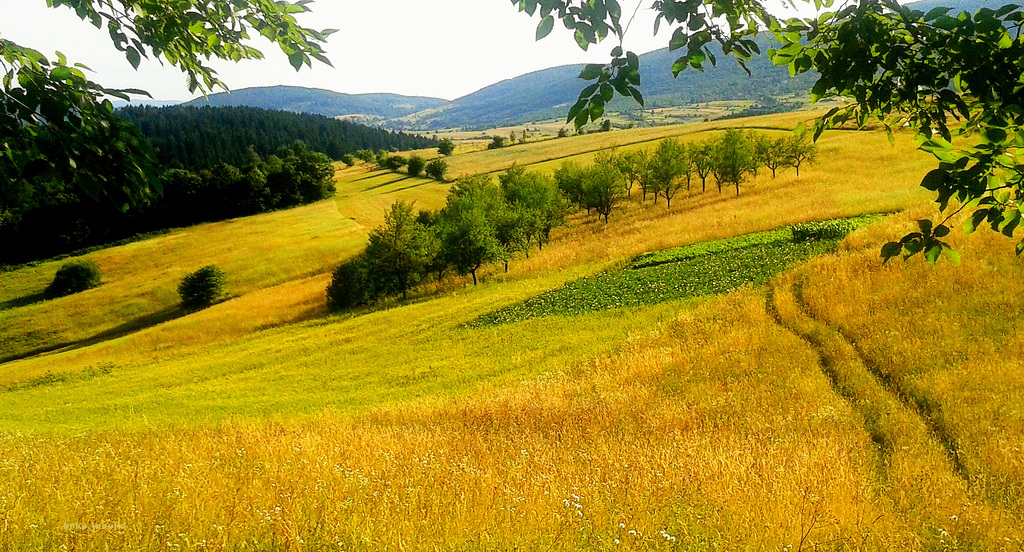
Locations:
(975, 220)
(581, 40)
(890, 250)
(546, 24)
(591, 71)
(133, 56)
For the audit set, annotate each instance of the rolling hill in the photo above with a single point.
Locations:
(320, 102)
(549, 93)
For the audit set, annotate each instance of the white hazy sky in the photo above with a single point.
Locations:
(440, 48)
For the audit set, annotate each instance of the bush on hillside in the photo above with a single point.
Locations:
(349, 285)
(202, 288)
(822, 230)
(415, 165)
(348, 159)
(73, 277)
(437, 168)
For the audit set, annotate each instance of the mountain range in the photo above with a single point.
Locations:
(547, 93)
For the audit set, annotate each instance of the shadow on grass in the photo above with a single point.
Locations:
(388, 183)
(22, 301)
(130, 327)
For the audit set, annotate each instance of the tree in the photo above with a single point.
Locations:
(349, 284)
(899, 66)
(606, 125)
(436, 169)
(415, 165)
(603, 189)
(669, 164)
(398, 251)
(796, 151)
(703, 162)
(537, 200)
(570, 178)
(446, 146)
(497, 142)
(468, 233)
(57, 125)
(733, 160)
(772, 153)
(630, 165)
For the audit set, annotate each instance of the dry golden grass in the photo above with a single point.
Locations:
(946, 340)
(719, 432)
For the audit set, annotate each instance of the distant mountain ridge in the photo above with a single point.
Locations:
(548, 93)
(316, 101)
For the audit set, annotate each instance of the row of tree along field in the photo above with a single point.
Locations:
(60, 218)
(484, 223)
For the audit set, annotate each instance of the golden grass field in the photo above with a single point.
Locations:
(847, 406)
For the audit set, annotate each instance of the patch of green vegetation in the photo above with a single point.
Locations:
(705, 268)
(821, 229)
(682, 253)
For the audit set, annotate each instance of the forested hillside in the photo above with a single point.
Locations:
(201, 137)
(320, 102)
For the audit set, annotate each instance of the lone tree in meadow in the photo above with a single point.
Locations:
(498, 142)
(202, 288)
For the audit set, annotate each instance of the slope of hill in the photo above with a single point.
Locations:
(320, 102)
(548, 93)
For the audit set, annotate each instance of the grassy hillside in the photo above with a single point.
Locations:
(844, 405)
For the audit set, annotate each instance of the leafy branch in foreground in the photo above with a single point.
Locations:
(941, 75)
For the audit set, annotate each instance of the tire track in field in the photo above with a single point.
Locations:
(913, 457)
(928, 411)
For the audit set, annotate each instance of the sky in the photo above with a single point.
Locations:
(438, 48)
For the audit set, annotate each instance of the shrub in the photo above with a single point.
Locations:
(202, 288)
(348, 159)
(394, 162)
(437, 168)
(415, 165)
(348, 286)
(497, 142)
(446, 146)
(823, 230)
(73, 277)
